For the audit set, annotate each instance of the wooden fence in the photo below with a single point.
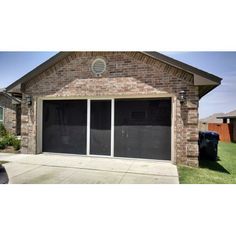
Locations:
(224, 130)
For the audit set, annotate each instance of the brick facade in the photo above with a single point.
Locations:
(130, 74)
(9, 113)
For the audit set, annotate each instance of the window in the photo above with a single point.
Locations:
(1, 115)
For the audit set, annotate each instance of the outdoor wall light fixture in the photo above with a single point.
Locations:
(182, 96)
(28, 99)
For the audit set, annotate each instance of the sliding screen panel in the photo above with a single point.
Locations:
(65, 126)
(143, 128)
(100, 131)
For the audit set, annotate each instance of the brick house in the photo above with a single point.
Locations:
(115, 104)
(10, 112)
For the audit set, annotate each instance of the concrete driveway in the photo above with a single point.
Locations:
(74, 169)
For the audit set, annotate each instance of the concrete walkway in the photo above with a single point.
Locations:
(74, 169)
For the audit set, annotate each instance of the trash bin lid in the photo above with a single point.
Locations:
(211, 135)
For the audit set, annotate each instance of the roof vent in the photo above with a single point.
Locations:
(98, 66)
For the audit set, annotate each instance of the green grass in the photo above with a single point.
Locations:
(209, 172)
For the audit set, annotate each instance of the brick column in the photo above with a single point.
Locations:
(28, 127)
(24, 126)
(192, 133)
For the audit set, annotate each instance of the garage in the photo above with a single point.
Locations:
(133, 128)
(115, 104)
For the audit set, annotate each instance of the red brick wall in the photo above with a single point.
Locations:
(127, 74)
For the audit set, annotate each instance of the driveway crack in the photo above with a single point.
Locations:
(126, 172)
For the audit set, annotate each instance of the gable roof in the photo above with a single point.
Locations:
(212, 118)
(8, 95)
(204, 80)
(184, 66)
(39, 69)
(231, 114)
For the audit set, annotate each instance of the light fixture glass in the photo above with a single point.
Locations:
(182, 96)
(28, 100)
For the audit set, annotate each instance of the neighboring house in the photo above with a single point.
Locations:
(213, 118)
(203, 123)
(10, 112)
(222, 123)
(114, 104)
(229, 120)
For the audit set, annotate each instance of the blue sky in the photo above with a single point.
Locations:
(13, 65)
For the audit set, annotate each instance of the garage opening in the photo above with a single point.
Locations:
(100, 127)
(65, 126)
(143, 128)
(134, 128)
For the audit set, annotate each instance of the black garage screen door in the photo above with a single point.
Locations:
(143, 128)
(100, 127)
(65, 126)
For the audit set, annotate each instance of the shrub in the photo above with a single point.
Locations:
(3, 131)
(16, 144)
(10, 140)
(3, 143)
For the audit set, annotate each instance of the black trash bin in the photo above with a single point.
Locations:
(208, 145)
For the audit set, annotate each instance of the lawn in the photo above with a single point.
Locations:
(221, 172)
